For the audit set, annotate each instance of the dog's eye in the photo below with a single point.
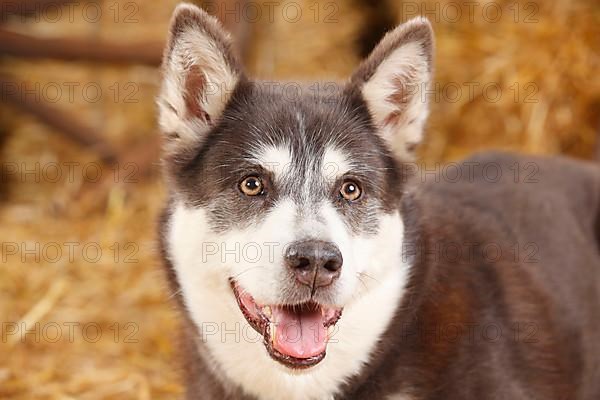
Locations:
(350, 190)
(251, 186)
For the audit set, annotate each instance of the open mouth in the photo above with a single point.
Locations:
(294, 335)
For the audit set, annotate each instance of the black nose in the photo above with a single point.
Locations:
(315, 263)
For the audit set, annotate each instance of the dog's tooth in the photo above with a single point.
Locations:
(267, 311)
(272, 328)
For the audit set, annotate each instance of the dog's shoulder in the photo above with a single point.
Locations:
(521, 189)
(509, 241)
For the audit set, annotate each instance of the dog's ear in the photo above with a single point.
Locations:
(200, 73)
(393, 82)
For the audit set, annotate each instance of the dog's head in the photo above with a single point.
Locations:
(284, 207)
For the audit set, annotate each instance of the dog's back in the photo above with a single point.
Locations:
(507, 280)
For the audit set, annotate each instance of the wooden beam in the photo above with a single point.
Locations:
(19, 45)
(58, 119)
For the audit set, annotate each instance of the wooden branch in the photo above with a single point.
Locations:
(65, 123)
(16, 44)
(145, 155)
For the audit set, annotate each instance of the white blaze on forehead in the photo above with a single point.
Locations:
(277, 159)
(335, 163)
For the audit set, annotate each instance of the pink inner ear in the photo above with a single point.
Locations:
(400, 98)
(195, 83)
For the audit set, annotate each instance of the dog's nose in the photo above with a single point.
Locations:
(315, 263)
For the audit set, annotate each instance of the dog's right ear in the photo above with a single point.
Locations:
(393, 82)
(200, 72)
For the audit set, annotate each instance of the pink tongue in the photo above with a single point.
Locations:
(299, 334)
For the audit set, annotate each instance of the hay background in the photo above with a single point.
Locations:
(559, 53)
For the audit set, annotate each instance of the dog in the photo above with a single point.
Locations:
(310, 259)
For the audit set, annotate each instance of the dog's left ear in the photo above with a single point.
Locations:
(393, 82)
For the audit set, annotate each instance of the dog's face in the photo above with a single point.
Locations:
(284, 212)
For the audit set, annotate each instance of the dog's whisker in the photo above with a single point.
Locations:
(361, 281)
(247, 270)
(364, 274)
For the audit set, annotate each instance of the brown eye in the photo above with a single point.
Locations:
(350, 190)
(252, 186)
